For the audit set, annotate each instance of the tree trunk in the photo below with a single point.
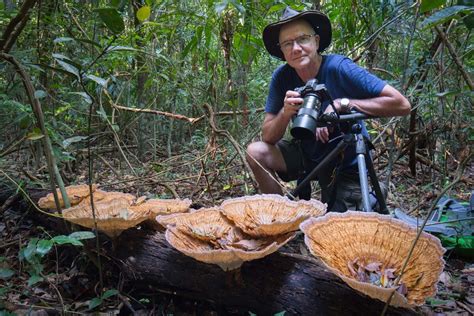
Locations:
(142, 76)
(413, 132)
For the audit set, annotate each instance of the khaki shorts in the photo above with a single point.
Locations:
(296, 162)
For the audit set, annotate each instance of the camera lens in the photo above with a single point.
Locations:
(305, 122)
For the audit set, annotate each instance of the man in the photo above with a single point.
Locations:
(298, 38)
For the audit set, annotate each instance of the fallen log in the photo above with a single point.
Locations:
(287, 282)
(283, 281)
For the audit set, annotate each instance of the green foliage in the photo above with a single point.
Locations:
(35, 134)
(175, 56)
(5, 271)
(68, 65)
(428, 5)
(446, 14)
(33, 254)
(16, 112)
(143, 13)
(112, 19)
(221, 6)
(97, 301)
(469, 18)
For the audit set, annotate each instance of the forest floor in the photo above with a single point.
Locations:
(70, 282)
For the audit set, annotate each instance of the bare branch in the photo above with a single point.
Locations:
(191, 120)
(455, 57)
(15, 26)
(232, 140)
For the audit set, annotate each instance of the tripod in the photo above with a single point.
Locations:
(364, 162)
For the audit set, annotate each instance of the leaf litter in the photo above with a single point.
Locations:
(372, 272)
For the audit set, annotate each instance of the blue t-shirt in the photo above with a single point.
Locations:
(343, 79)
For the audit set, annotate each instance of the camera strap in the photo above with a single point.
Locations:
(335, 176)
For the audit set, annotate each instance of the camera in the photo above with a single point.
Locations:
(306, 120)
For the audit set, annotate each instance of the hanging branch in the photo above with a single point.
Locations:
(374, 36)
(36, 106)
(433, 51)
(16, 25)
(455, 57)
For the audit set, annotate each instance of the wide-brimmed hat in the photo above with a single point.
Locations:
(318, 20)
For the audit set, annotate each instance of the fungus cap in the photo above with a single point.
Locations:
(340, 238)
(165, 206)
(207, 236)
(113, 213)
(270, 214)
(75, 193)
(176, 218)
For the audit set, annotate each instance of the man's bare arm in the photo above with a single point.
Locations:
(274, 125)
(389, 103)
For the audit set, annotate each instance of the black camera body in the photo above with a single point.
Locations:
(306, 120)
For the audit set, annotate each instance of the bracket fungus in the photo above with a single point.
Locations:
(270, 214)
(174, 218)
(113, 213)
(75, 193)
(356, 244)
(163, 206)
(207, 236)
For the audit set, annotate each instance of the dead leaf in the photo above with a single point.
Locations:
(402, 289)
(373, 266)
(445, 278)
(389, 273)
(468, 271)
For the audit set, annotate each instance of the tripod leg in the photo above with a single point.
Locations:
(341, 146)
(376, 185)
(364, 183)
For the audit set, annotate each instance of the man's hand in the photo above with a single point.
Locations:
(322, 133)
(291, 103)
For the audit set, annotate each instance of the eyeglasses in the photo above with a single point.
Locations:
(302, 40)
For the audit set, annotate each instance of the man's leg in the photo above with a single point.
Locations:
(349, 192)
(265, 159)
(327, 180)
(340, 190)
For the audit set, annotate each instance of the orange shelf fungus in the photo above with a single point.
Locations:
(163, 207)
(76, 194)
(113, 213)
(372, 247)
(207, 236)
(270, 214)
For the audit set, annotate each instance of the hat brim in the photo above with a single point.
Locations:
(319, 21)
